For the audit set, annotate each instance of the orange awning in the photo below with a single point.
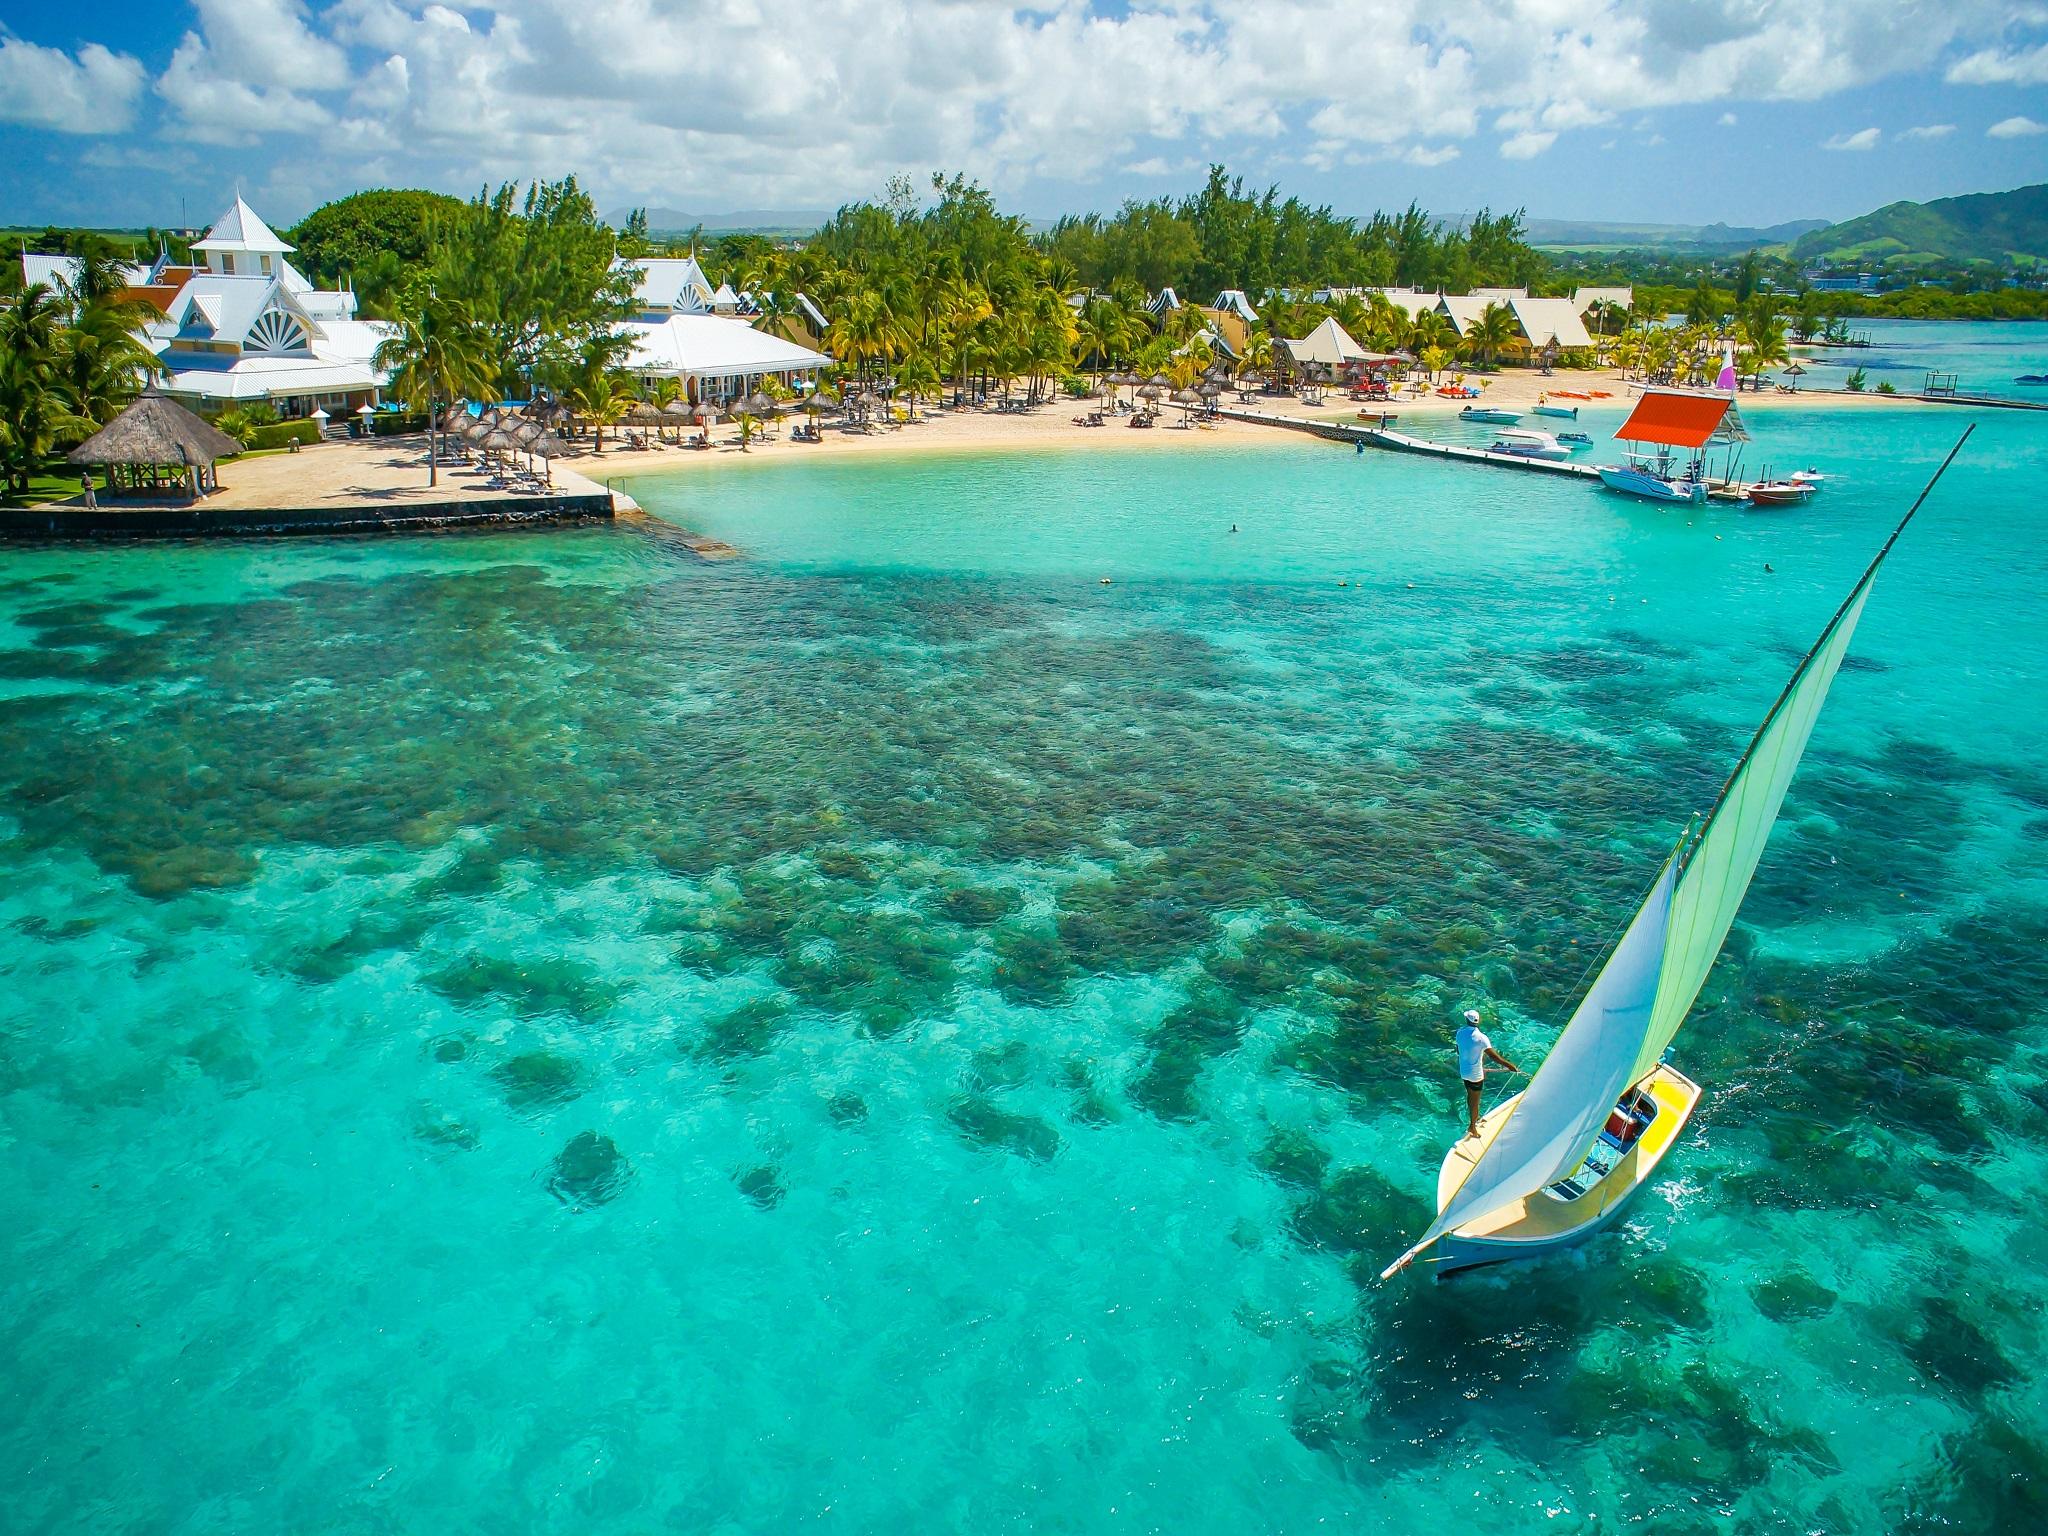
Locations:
(1677, 421)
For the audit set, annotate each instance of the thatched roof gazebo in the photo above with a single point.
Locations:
(156, 444)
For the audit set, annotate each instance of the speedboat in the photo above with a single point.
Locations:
(1576, 439)
(1568, 412)
(1523, 444)
(1645, 483)
(2032, 378)
(1780, 493)
(1489, 413)
(1812, 477)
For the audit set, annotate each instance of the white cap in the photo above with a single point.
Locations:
(1471, 1015)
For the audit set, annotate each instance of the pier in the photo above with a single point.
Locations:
(1401, 442)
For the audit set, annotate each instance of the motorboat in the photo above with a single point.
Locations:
(1553, 1165)
(1568, 412)
(1523, 444)
(1678, 425)
(1490, 413)
(1649, 479)
(1576, 439)
(1780, 493)
(1812, 477)
(2032, 378)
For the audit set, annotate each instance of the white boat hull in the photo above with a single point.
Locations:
(1647, 487)
(1549, 1222)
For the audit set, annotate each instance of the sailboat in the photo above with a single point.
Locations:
(1557, 1162)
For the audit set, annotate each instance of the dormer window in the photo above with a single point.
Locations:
(227, 262)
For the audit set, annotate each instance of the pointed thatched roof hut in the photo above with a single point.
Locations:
(159, 444)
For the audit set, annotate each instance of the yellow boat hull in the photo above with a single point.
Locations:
(1550, 1221)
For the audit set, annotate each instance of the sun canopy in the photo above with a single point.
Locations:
(1674, 419)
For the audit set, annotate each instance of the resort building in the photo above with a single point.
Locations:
(1583, 299)
(717, 340)
(718, 358)
(248, 326)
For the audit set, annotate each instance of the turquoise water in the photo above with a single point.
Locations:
(1986, 356)
(537, 1033)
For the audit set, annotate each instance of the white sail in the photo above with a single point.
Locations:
(1723, 860)
(1567, 1101)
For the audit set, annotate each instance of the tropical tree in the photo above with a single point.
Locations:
(1763, 345)
(35, 414)
(437, 356)
(1492, 331)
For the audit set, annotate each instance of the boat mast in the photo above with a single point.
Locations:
(1701, 823)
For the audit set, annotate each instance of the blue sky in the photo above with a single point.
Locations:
(1748, 111)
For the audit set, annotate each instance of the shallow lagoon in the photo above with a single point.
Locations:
(536, 1032)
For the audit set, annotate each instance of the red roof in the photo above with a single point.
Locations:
(1677, 421)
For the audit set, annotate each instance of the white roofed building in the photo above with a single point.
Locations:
(1583, 299)
(717, 357)
(249, 326)
(1550, 323)
(666, 285)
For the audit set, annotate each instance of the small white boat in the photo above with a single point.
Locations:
(1643, 482)
(1521, 443)
(1812, 477)
(1490, 413)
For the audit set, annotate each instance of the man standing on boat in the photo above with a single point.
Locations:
(1474, 1052)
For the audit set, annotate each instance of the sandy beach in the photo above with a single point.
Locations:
(1052, 426)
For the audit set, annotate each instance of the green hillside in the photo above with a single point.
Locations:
(1983, 226)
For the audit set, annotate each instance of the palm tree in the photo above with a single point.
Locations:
(1493, 330)
(1763, 339)
(1258, 352)
(35, 415)
(437, 357)
(103, 365)
(599, 396)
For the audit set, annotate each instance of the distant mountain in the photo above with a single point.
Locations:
(1982, 226)
(747, 221)
(1562, 233)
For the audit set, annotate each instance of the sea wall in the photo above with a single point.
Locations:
(157, 522)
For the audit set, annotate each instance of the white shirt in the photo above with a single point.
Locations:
(1472, 1049)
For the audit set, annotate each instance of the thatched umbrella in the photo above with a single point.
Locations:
(759, 404)
(644, 414)
(1187, 400)
(1150, 392)
(155, 434)
(1793, 370)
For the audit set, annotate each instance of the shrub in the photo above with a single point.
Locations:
(392, 423)
(1856, 380)
(280, 433)
(1885, 388)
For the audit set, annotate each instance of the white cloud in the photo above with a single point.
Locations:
(1930, 131)
(41, 87)
(2016, 128)
(1862, 138)
(1727, 119)
(798, 102)
(1994, 66)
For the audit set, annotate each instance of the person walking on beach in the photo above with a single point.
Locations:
(1474, 1052)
